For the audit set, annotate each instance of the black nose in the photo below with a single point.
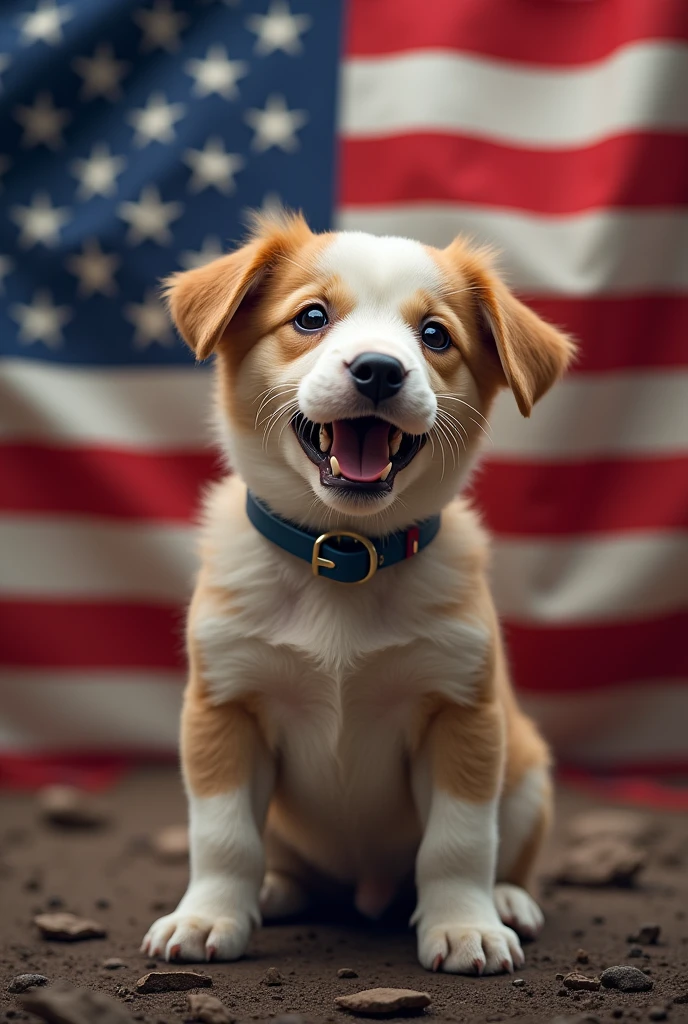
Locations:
(377, 376)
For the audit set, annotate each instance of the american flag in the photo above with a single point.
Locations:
(133, 136)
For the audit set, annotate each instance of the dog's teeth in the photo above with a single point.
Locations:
(386, 471)
(395, 442)
(324, 439)
(334, 466)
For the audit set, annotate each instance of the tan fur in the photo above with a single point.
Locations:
(467, 750)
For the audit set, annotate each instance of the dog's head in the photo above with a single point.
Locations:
(355, 372)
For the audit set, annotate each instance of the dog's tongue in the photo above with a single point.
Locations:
(362, 451)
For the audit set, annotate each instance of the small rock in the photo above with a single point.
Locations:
(272, 977)
(657, 1013)
(581, 983)
(25, 981)
(208, 1009)
(626, 979)
(635, 951)
(102, 903)
(55, 902)
(558, 977)
(601, 862)
(376, 1002)
(69, 807)
(518, 982)
(647, 935)
(113, 963)
(582, 957)
(62, 1005)
(346, 972)
(68, 927)
(610, 824)
(172, 981)
(171, 844)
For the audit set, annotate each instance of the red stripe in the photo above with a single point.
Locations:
(573, 659)
(104, 482)
(81, 634)
(552, 499)
(544, 32)
(624, 171)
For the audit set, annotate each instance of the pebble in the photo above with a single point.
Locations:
(68, 927)
(627, 979)
(172, 981)
(25, 981)
(635, 951)
(113, 963)
(272, 977)
(375, 1002)
(647, 935)
(657, 1013)
(603, 861)
(582, 957)
(347, 972)
(518, 982)
(69, 807)
(74, 1006)
(581, 983)
(208, 1009)
(171, 844)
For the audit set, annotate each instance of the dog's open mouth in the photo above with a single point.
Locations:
(361, 455)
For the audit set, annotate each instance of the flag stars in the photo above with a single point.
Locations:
(94, 269)
(276, 125)
(213, 167)
(44, 23)
(155, 122)
(41, 222)
(161, 26)
(43, 123)
(150, 218)
(279, 29)
(216, 73)
(209, 251)
(41, 320)
(150, 322)
(97, 175)
(102, 74)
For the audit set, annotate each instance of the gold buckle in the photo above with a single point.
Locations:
(319, 563)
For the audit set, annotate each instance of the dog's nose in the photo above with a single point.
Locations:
(377, 376)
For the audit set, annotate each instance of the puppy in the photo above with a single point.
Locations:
(344, 732)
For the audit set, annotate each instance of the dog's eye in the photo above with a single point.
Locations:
(313, 318)
(435, 336)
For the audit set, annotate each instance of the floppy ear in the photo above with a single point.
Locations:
(203, 301)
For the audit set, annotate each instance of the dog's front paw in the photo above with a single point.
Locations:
(467, 948)
(518, 910)
(198, 938)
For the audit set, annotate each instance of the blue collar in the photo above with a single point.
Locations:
(341, 555)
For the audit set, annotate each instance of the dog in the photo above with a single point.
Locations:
(334, 731)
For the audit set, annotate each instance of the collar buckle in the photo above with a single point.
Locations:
(318, 562)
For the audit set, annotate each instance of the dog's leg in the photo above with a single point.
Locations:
(457, 777)
(229, 778)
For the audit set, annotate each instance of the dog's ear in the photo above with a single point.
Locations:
(203, 301)
(529, 354)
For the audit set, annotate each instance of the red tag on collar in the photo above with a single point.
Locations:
(412, 539)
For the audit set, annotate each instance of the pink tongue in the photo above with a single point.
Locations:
(363, 458)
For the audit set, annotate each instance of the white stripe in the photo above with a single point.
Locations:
(618, 413)
(593, 580)
(642, 86)
(75, 558)
(166, 408)
(611, 252)
(640, 722)
(622, 414)
(89, 711)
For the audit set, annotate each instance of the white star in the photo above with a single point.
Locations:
(161, 26)
(41, 321)
(213, 167)
(276, 125)
(97, 175)
(95, 270)
(45, 23)
(149, 217)
(5, 164)
(216, 73)
(279, 29)
(5, 61)
(101, 74)
(272, 205)
(155, 121)
(6, 267)
(150, 320)
(209, 251)
(41, 222)
(43, 123)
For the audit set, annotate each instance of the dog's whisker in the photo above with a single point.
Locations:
(274, 398)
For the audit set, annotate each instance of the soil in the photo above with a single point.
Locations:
(111, 875)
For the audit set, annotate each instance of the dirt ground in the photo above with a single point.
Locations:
(112, 875)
